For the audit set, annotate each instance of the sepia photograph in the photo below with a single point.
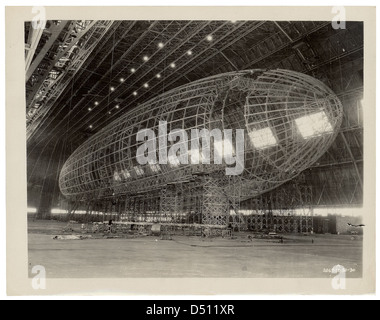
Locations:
(163, 148)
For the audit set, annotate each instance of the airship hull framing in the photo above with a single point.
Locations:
(289, 120)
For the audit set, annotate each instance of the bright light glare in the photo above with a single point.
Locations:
(126, 174)
(314, 125)
(32, 210)
(155, 167)
(224, 146)
(263, 138)
(58, 211)
(139, 171)
(173, 161)
(196, 156)
(116, 176)
(62, 211)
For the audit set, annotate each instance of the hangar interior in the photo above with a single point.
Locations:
(88, 82)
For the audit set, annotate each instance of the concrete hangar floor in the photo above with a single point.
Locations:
(151, 257)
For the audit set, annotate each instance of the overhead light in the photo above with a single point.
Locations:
(96, 103)
(117, 106)
(210, 38)
(233, 21)
(172, 65)
(161, 45)
(89, 109)
(135, 93)
(133, 70)
(112, 89)
(189, 53)
(109, 112)
(314, 125)
(146, 85)
(122, 80)
(91, 126)
(158, 76)
(263, 138)
(146, 58)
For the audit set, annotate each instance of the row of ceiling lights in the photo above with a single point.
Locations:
(158, 76)
(160, 45)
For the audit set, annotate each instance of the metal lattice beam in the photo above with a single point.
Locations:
(59, 73)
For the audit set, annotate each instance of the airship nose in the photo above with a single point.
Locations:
(291, 120)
